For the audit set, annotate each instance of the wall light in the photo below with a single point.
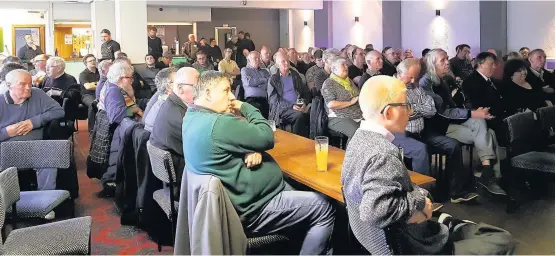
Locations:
(305, 23)
(437, 12)
(356, 19)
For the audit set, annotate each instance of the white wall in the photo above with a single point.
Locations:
(367, 30)
(531, 24)
(178, 14)
(71, 12)
(302, 36)
(16, 16)
(458, 23)
(268, 4)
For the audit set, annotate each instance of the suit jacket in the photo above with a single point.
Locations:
(482, 93)
(388, 68)
(168, 135)
(538, 83)
(276, 100)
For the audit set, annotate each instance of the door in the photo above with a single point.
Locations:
(223, 35)
(65, 49)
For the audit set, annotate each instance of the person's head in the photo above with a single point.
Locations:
(383, 100)
(234, 39)
(152, 32)
(245, 52)
(374, 60)
(121, 55)
(150, 60)
(203, 41)
(493, 51)
(212, 42)
(241, 35)
(358, 57)
(515, 70)
(328, 56)
(424, 52)
(389, 54)
(55, 67)
(398, 54)
(463, 51)
(29, 39)
(213, 91)
(305, 57)
(282, 62)
(164, 80)
(19, 83)
(524, 51)
(9, 68)
(184, 82)
(485, 63)
(265, 53)
(511, 56)
(201, 58)
(318, 58)
(105, 35)
(537, 59)
(253, 59)
(247, 35)
(228, 53)
(408, 71)
(437, 64)
(40, 62)
(191, 37)
(104, 66)
(369, 47)
(167, 58)
(90, 61)
(408, 53)
(11, 59)
(339, 68)
(292, 56)
(123, 60)
(350, 50)
(120, 74)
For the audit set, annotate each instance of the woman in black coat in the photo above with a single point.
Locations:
(518, 94)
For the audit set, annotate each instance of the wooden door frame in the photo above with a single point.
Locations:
(42, 35)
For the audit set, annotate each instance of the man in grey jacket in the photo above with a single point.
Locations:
(379, 193)
(255, 80)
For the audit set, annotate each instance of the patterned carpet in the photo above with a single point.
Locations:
(108, 236)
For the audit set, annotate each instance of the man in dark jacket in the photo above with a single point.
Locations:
(539, 77)
(288, 98)
(390, 58)
(155, 44)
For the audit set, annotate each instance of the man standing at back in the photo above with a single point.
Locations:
(109, 47)
(29, 51)
(155, 44)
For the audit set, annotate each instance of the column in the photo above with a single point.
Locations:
(494, 33)
(323, 25)
(392, 24)
(102, 17)
(131, 28)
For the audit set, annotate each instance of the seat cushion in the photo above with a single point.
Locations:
(262, 241)
(162, 198)
(67, 237)
(539, 161)
(36, 204)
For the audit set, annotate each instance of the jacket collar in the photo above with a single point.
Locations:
(174, 98)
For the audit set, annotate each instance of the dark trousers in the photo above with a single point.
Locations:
(299, 121)
(345, 126)
(414, 150)
(260, 103)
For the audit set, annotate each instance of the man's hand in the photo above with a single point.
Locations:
(25, 127)
(13, 129)
(298, 108)
(236, 106)
(253, 159)
(420, 216)
(354, 100)
(480, 113)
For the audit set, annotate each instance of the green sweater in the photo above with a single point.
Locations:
(216, 144)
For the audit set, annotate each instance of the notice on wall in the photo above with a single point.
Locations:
(68, 39)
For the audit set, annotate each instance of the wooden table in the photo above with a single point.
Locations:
(296, 156)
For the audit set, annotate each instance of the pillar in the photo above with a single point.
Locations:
(102, 17)
(131, 28)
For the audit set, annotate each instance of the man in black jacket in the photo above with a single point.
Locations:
(390, 57)
(539, 77)
(155, 44)
(286, 90)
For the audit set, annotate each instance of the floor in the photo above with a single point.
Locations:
(532, 227)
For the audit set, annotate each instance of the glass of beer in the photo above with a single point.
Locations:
(321, 148)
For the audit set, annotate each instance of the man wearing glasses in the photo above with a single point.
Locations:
(202, 64)
(39, 72)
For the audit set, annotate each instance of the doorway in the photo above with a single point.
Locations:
(223, 35)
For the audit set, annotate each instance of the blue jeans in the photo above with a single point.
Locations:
(298, 210)
(416, 151)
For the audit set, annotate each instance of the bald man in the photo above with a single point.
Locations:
(379, 192)
(266, 58)
(166, 133)
(374, 62)
(255, 81)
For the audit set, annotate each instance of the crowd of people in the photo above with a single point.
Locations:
(379, 100)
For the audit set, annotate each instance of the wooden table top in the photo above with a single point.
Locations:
(296, 156)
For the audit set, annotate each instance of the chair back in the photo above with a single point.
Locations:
(9, 186)
(2, 217)
(36, 154)
(162, 165)
(523, 133)
(546, 118)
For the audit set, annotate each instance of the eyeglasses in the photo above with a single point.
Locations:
(128, 77)
(406, 105)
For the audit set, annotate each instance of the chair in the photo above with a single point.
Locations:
(340, 137)
(37, 154)
(163, 169)
(546, 118)
(68, 237)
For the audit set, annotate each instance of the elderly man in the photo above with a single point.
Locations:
(266, 60)
(379, 193)
(358, 68)
(148, 71)
(461, 63)
(340, 96)
(464, 125)
(288, 97)
(103, 68)
(191, 47)
(390, 59)
(253, 181)
(255, 82)
(163, 80)
(167, 131)
(374, 65)
(23, 115)
(59, 82)
(4, 72)
(29, 51)
(539, 77)
(202, 64)
(109, 47)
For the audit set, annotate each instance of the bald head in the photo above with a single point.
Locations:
(265, 53)
(492, 51)
(292, 55)
(380, 100)
(184, 81)
(374, 60)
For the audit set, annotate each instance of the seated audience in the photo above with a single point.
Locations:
(305, 63)
(255, 83)
(117, 97)
(379, 192)
(295, 64)
(340, 96)
(165, 61)
(315, 71)
(39, 73)
(374, 65)
(163, 80)
(266, 60)
(233, 151)
(148, 71)
(284, 90)
(461, 64)
(167, 131)
(103, 68)
(539, 77)
(58, 83)
(519, 95)
(24, 112)
(524, 51)
(89, 79)
(358, 68)
(466, 126)
(389, 61)
(202, 64)
(12, 59)
(4, 71)
(499, 65)
(141, 90)
(228, 66)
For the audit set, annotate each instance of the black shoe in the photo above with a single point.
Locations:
(108, 190)
(492, 187)
(463, 198)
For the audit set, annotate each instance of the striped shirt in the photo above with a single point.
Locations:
(423, 107)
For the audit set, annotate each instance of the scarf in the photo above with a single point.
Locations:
(345, 82)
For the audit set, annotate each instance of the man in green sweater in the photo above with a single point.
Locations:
(223, 145)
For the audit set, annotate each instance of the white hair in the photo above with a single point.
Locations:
(405, 65)
(57, 61)
(117, 71)
(163, 80)
(337, 63)
(103, 65)
(430, 63)
(330, 54)
(12, 76)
